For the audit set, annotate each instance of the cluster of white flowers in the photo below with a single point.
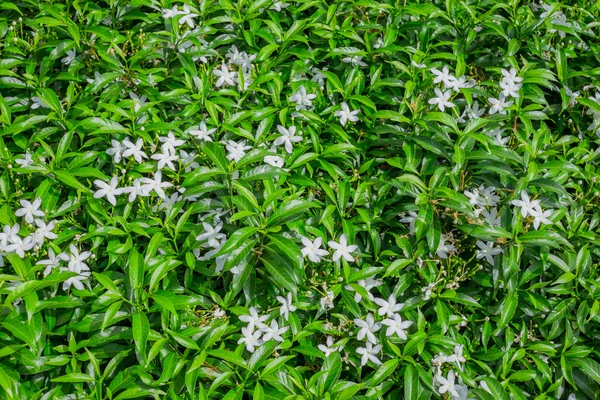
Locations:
(312, 249)
(451, 83)
(533, 208)
(12, 242)
(257, 332)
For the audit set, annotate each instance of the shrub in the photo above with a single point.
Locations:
(307, 200)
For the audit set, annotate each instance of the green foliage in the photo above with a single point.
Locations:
(368, 199)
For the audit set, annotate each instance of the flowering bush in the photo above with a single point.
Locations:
(262, 199)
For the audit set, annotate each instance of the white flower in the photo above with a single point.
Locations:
(188, 17)
(318, 76)
(188, 160)
(166, 158)
(313, 250)
(116, 150)
(355, 61)
(225, 76)
(170, 13)
(388, 307)
(273, 332)
(203, 133)
(511, 75)
(254, 320)
(134, 191)
(367, 328)
(250, 338)
(45, 230)
(327, 350)
(20, 246)
(541, 217)
(369, 353)
(327, 300)
(397, 326)
(69, 57)
(302, 100)
(475, 198)
(457, 357)
(286, 305)
(278, 6)
(510, 88)
(367, 284)
(37, 103)
(236, 150)
(527, 206)
(443, 248)
(342, 249)
(171, 141)
(138, 101)
(443, 76)
(447, 384)
(345, 115)
(441, 99)
(410, 219)
(499, 105)
(211, 235)
(155, 184)
(30, 210)
(134, 150)
(275, 161)
(488, 251)
(491, 217)
(76, 281)
(287, 138)
(53, 261)
(459, 84)
(108, 190)
(10, 234)
(26, 161)
(76, 259)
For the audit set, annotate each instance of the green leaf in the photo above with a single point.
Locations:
(385, 370)
(141, 330)
(288, 211)
(75, 377)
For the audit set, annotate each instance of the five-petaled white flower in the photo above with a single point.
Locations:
(225, 76)
(134, 150)
(342, 249)
(254, 320)
(30, 210)
(203, 133)
(211, 234)
(368, 328)
(541, 217)
(442, 99)
(369, 353)
(328, 349)
(286, 305)
(313, 250)
(155, 184)
(397, 326)
(188, 17)
(488, 251)
(499, 105)
(447, 384)
(287, 138)
(302, 99)
(526, 204)
(345, 115)
(250, 338)
(273, 331)
(108, 190)
(388, 307)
